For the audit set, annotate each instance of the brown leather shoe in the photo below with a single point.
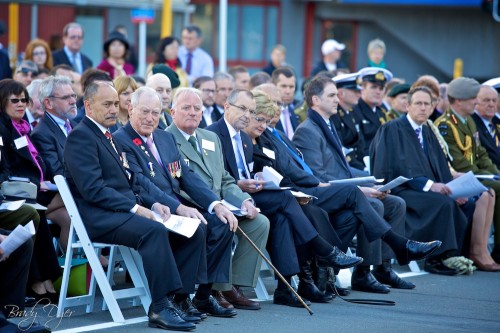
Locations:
(222, 301)
(236, 297)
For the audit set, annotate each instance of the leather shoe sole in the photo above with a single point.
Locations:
(437, 267)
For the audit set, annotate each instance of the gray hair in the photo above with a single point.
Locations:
(223, 76)
(147, 91)
(183, 91)
(34, 88)
(49, 85)
(376, 43)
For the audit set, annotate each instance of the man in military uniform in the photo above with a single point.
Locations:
(343, 120)
(398, 100)
(368, 113)
(460, 132)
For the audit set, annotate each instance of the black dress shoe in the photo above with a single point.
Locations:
(339, 259)
(188, 307)
(211, 307)
(436, 266)
(184, 315)
(309, 291)
(286, 297)
(363, 280)
(169, 319)
(417, 251)
(390, 278)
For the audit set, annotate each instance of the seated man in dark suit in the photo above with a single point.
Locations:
(113, 205)
(318, 140)
(344, 203)
(487, 124)
(70, 54)
(290, 228)
(208, 89)
(49, 136)
(153, 156)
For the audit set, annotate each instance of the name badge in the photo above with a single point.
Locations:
(250, 166)
(21, 142)
(209, 145)
(1, 141)
(269, 153)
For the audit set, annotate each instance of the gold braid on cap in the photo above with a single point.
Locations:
(467, 148)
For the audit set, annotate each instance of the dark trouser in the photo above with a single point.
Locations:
(289, 228)
(393, 210)
(219, 241)
(14, 277)
(160, 251)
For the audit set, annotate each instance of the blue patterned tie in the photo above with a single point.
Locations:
(296, 156)
(239, 157)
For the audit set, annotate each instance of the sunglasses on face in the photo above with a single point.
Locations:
(17, 100)
(27, 71)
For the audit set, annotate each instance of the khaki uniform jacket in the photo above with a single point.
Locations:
(464, 144)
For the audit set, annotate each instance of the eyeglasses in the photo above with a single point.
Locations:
(17, 100)
(75, 37)
(262, 120)
(242, 108)
(39, 53)
(65, 97)
(25, 70)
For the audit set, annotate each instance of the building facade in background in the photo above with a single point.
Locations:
(422, 37)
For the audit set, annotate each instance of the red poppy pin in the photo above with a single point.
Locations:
(137, 141)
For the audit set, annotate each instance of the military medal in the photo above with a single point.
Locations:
(125, 161)
(151, 171)
(178, 169)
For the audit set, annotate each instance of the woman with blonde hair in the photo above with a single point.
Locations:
(39, 52)
(125, 85)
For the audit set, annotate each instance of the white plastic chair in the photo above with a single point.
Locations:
(78, 238)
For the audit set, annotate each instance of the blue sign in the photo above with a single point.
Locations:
(142, 15)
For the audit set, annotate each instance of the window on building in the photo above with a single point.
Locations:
(252, 30)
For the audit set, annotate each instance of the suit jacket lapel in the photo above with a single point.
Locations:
(227, 146)
(368, 112)
(54, 128)
(106, 143)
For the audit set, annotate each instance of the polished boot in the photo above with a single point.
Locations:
(169, 319)
(338, 259)
(222, 300)
(236, 298)
(211, 307)
(188, 307)
(363, 280)
(307, 288)
(385, 275)
(416, 251)
(286, 297)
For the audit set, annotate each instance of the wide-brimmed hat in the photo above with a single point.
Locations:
(115, 35)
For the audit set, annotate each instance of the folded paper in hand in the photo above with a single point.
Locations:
(465, 186)
(393, 183)
(235, 210)
(357, 180)
(17, 238)
(181, 225)
(272, 179)
(299, 194)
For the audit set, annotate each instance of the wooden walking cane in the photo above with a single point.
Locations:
(276, 271)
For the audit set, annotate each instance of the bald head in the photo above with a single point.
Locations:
(487, 100)
(161, 84)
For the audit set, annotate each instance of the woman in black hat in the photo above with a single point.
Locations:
(115, 49)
